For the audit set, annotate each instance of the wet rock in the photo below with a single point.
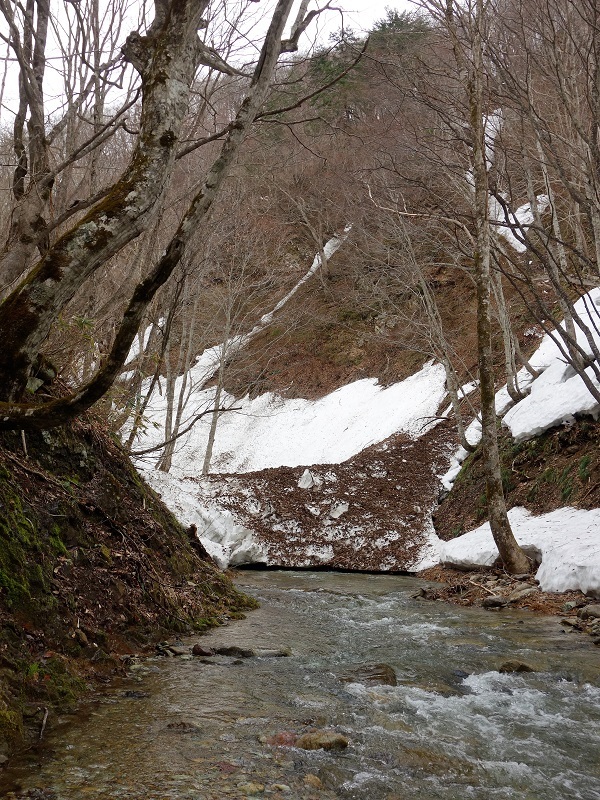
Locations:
(132, 694)
(590, 612)
(233, 651)
(199, 650)
(460, 673)
(515, 666)
(371, 675)
(494, 601)
(322, 740)
(571, 623)
(177, 651)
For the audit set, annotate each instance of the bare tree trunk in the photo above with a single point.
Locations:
(167, 57)
(514, 559)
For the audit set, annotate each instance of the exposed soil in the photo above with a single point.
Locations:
(92, 569)
(369, 513)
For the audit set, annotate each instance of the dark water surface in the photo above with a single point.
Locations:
(199, 734)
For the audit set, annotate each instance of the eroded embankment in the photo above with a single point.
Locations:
(92, 567)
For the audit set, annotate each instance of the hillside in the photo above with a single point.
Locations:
(93, 569)
(358, 478)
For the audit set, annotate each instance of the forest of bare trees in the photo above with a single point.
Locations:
(170, 171)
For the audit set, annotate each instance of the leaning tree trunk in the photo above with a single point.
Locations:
(27, 315)
(167, 60)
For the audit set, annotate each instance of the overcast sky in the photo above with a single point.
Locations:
(357, 14)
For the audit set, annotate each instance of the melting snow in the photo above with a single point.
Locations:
(566, 541)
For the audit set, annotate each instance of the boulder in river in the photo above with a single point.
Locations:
(200, 650)
(322, 740)
(371, 675)
(515, 666)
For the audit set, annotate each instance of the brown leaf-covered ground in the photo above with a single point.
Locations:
(389, 490)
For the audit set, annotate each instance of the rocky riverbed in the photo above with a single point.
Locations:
(339, 686)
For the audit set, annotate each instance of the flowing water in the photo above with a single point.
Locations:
(453, 727)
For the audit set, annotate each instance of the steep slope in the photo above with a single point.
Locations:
(92, 568)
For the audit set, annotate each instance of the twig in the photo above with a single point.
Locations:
(44, 721)
(481, 586)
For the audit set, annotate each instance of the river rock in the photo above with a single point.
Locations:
(371, 675)
(590, 612)
(233, 651)
(177, 651)
(322, 740)
(494, 601)
(515, 666)
(520, 594)
(199, 650)
(571, 623)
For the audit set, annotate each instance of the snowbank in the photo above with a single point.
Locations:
(270, 431)
(227, 542)
(555, 396)
(567, 541)
(558, 393)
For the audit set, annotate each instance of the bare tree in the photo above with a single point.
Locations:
(166, 58)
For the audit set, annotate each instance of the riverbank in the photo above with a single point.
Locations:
(496, 590)
(93, 568)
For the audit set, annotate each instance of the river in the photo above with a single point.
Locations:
(453, 728)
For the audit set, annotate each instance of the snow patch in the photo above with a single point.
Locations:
(270, 431)
(566, 540)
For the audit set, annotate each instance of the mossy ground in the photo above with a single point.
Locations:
(92, 567)
(559, 468)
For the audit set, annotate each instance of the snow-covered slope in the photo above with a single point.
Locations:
(271, 431)
(321, 517)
